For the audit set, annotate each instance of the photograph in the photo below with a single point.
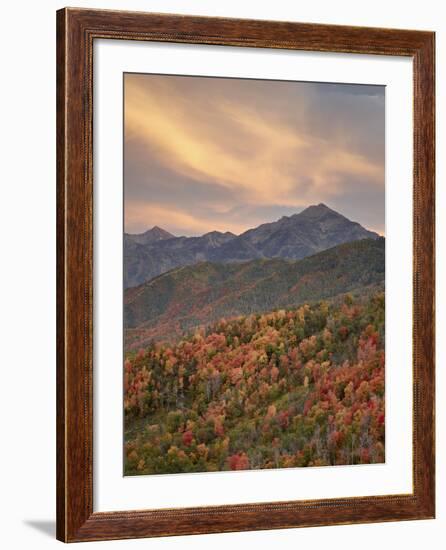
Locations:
(223, 232)
(253, 273)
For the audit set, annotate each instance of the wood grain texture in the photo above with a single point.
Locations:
(76, 31)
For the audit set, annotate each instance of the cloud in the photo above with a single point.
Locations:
(176, 219)
(221, 143)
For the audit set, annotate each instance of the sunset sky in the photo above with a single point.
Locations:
(204, 154)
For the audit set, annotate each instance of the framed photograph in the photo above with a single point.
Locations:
(245, 275)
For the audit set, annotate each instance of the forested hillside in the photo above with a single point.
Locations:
(290, 388)
(176, 302)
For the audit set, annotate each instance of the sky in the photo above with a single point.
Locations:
(204, 154)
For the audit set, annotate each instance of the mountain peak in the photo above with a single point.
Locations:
(217, 238)
(213, 233)
(150, 236)
(317, 209)
(156, 230)
(219, 233)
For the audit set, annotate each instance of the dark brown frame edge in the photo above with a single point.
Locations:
(76, 30)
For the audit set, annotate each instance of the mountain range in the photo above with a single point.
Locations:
(313, 230)
(189, 296)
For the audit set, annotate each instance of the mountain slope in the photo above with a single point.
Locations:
(315, 229)
(143, 262)
(186, 297)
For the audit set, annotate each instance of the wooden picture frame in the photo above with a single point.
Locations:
(76, 31)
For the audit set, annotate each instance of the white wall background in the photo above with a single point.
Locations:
(27, 217)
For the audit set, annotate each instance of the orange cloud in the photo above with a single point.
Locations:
(169, 126)
(138, 213)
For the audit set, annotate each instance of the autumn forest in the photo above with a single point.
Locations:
(290, 388)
